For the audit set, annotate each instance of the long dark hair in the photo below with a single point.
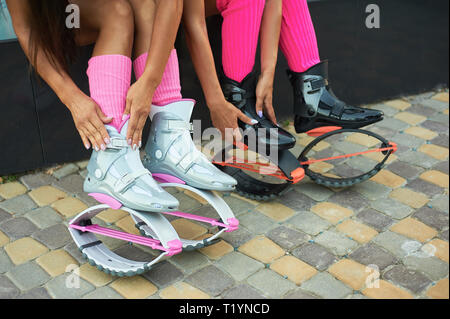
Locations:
(49, 32)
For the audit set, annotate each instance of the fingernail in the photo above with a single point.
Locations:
(140, 144)
(87, 146)
(134, 147)
(260, 113)
(96, 148)
(107, 140)
(124, 117)
(129, 141)
(103, 147)
(109, 118)
(254, 122)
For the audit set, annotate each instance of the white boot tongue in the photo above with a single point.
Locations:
(182, 108)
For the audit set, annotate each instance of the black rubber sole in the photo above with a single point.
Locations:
(321, 122)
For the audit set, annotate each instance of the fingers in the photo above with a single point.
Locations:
(95, 137)
(85, 140)
(105, 119)
(102, 130)
(259, 106)
(270, 112)
(244, 118)
(137, 136)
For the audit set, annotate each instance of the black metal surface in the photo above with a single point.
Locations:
(407, 55)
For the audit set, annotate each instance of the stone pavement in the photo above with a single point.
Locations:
(313, 242)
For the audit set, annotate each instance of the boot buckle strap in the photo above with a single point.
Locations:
(117, 143)
(187, 161)
(128, 179)
(313, 87)
(179, 125)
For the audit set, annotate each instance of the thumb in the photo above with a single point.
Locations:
(244, 118)
(105, 119)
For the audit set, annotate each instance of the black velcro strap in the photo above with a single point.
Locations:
(318, 84)
(94, 243)
(140, 224)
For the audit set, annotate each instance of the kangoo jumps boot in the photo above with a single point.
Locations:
(170, 149)
(315, 105)
(117, 177)
(243, 96)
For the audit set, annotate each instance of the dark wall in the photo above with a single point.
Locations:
(407, 55)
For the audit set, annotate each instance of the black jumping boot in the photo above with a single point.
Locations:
(315, 105)
(243, 96)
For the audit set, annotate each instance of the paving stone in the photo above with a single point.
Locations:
(35, 293)
(349, 199)
(255, 222)
(315, 255)
(437, 152)
(7, 288)
(44, 217)
(65, 171)
(392, 208)
(111, 216)
(5, 262)
(275, 211)
(394, 243)
(407, 278)
(418, 158)
(412, 228)
(132, 252)
(202, 280)
(435, 104)
(410, 118)
(16, 228)
(405, 170)
(432, 267)
(350, 273)
(67, 286)
(357, 231)
(37, 180)
(297, 201)
(309, 223)
(409, 197)
(55, 262)
(128, 225)
(424, 187)
(69, 206)
(82, 164)
(389, 179)
(393, 124)
(443, 97)
(375, 219)
(432, 218)
(3, 239)
(444, 235)
(24, 249)
(71, 184)
(315, 191)
(440, 249)
(299, 294)
(187, 229)
(134, 287)
(371, 254)
(372, 190)
(287, 238)
(440, 290)
(326, 286)
(163, 274)
(94, 276)
(361, 163)
(12, 189)
(421, 132)
(217, 250)
(386, 291)
(337, 243)
(435, 126)
(86, 199)
(238, 237)
(239, 266)
(54, 237)
(4, 215)
(189, 261)
(441, 140)
(73, 250)
(240, 205)
(242, 291)
(263, 249)
(18, 205)
(387, 110)
(423, 110)
(270, 283)
(46, 195)
(331, 212)
(440, 203)
(398, 104)
(293, 269)
(27, 276)
(103, 293)
(407, 140)
(182, 290)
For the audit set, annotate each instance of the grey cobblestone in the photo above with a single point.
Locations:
(444, 235)
(256, 222)
(440, 203)
(443, 167)
(57, 287)
(103, 293)
(417, 158)
(71, 184)
(391, 207)
(17, 228)
(314, 191)
(4, 215)
(270, 283)
(315, 255)
(7, 289)
(405, 170)
(434, 268)
(54, 237)
(432, 218)
(394, 243)
(238, 265)
(424, 187)
(242, 291)
(5, 262)
(441, 140)
(35, 293)
(326, 286)
(372, 191)
(27, 276)
(65, 171)
(375, 219)
(349, 199)
(163, 274)
(238, 237)
(435, 126)
(336, 242)
(211, 280)
(32, 181)
(371, 254)
(18, 205)
(407, 278)
(434, 104)
(73, 250)
(299, 294)
(44, 217)
(287, 238)
(189, 261)
(309, 223)
(297, 201)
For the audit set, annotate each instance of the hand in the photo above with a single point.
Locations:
(225, 115)
(264, 93)
(90, 122)
(139, 101)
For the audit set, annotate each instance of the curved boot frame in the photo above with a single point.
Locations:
(226, 223)
(99, 255)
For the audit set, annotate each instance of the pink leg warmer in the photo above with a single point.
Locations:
(240, 34)
(298, 38)
(109, 82)
(169, 89)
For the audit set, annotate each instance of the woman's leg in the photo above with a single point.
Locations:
(240, 34)
(109, 71)
(298, 38)
(170, 88)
